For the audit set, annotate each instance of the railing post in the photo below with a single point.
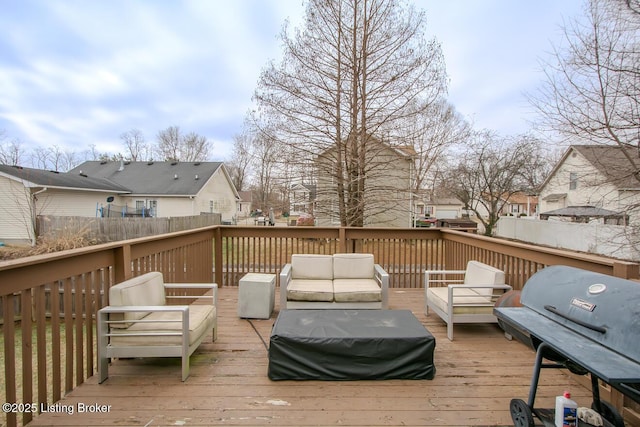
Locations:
(342, 240)
(626, 270)
(217, 243)
(122, 263)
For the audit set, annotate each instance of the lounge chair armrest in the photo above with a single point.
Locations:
(428, 273)
(104, 321)
(209, 286)
(503, 286)
(445, 271)
(490, 299)
(146, 308)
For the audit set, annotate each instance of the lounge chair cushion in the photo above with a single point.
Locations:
(309, 266)
(201, 318)
(310, 290)
(147, 289)
(483, 274)
(352, 290)
(466, 301)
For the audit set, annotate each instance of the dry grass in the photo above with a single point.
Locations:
(48, 244)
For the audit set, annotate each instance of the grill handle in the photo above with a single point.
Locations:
(596, 328)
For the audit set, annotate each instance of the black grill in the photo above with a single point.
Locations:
(584, 321)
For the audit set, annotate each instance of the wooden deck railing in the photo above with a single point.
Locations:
(49, 302)
(404, 253)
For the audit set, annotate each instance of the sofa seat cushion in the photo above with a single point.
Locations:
(310, 290)
(201, 320)
(356, 290)
(466, 301)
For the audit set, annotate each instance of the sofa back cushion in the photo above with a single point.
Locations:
(147, 289)
(353, 266)
(310, 266)
(478, 273)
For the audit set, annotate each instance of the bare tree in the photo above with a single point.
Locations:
(11, 152)
(592, 87)
(172, 144)
(264, 158)
(54, 158)
(239, 165)
(432, 132)
(488, 173)
(348, 80)
(135, 145)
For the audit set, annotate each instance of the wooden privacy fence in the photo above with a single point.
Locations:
(55, 297)
(112, 229)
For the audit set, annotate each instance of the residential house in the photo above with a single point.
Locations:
(27, 192)
(301, 199)
(117, 188)
(244, 205)
(600, 176)
(387, 200)
(426, 204)
(168, 189)
(444, 208)
(521, 204)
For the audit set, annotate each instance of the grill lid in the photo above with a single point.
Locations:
(603, 308)
(590, 318)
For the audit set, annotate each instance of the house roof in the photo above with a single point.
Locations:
(52, 179)
(153, 178)
(582, 212)
(609, 160)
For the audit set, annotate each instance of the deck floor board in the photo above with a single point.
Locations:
(477, 375)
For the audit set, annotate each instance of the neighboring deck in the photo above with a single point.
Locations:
(477, 375)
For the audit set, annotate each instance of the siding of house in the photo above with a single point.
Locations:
(591, 187)
(16, 225)
(387, 201)
(217, 196)
(70, 203)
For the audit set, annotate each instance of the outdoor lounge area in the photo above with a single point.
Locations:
(476, 377)
(50, 302)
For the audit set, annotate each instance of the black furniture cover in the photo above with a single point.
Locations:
(350, 345)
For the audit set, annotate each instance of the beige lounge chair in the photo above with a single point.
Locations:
(464, 296)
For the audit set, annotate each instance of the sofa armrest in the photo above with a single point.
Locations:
(382, 277)
(285, 279)
(208, 286)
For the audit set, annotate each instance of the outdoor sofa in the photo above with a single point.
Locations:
(340, 281)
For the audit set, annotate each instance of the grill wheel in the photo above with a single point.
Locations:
(610, 413)
(521, 413)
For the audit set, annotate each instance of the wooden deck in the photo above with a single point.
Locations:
(477, 375)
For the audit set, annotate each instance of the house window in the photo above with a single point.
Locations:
(210, 206)
(573, 180)
(153, 207)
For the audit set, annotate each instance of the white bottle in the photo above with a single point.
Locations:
(566, 411)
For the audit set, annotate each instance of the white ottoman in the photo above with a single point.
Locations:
(256, 295)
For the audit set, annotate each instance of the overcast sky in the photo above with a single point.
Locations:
(75, 73)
